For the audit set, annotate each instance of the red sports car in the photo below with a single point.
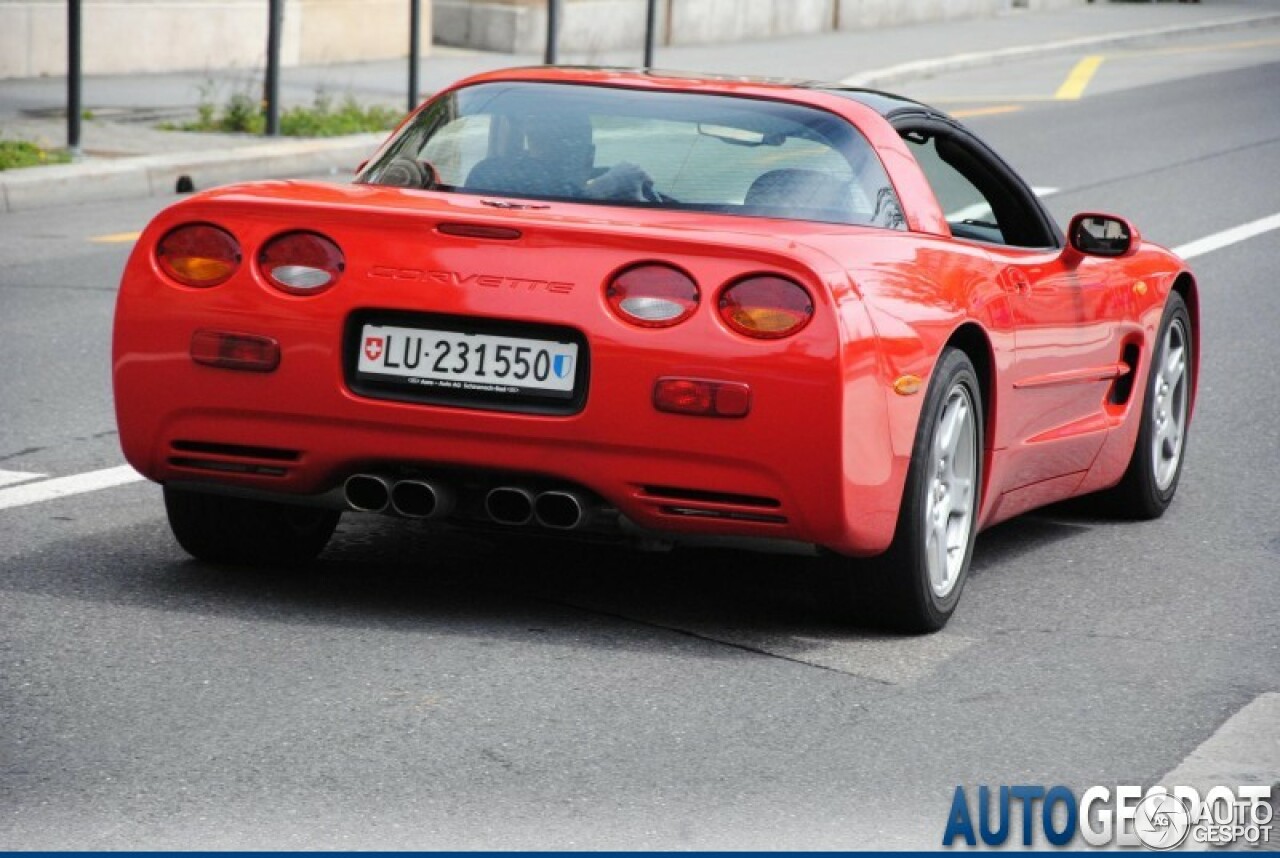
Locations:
(639, 306)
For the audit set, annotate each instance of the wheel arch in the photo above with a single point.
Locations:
(971, 339)
(1185, 285)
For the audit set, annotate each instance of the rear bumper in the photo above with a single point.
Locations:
(779, 473)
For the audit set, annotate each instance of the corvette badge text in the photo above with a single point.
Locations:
(1157, 818)
(456, 278)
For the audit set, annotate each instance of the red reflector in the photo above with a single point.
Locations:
(245, 352)
(477, 230)
(701, 397)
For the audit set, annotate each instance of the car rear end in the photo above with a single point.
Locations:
(499, 361)
(696, 427)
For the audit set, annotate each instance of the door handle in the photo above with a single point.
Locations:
(1015, 280)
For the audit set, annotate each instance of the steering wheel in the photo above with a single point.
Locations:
(408, 173)
(653, 195)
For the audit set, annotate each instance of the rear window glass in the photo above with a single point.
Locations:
(632, 147)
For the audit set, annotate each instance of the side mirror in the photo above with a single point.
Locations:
(1102, 235)
(363, 164)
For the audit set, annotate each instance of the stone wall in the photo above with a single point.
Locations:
(519, 26)
(127, 36)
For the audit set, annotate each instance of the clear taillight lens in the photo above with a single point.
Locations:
(653, 296)
(198, 254)
(301, 263)
(766, 307)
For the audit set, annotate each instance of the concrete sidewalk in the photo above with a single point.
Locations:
(127, 156)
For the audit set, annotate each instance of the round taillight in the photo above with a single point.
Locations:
(198, 254)
(766, 307)
(653, 296)
(301, 263)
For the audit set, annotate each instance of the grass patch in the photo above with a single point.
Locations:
(20, 153)
(241, 114)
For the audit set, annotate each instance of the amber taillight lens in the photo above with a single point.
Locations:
(766, 307)
(198, 254)
(653, 296)
(301, 263)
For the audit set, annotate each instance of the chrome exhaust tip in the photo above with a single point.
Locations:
(421, 499)
(367, 492)
(561, 510)
(509, 505)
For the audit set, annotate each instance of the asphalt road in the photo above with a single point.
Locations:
(418, 692)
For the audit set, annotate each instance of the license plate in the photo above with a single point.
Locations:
(467, 363)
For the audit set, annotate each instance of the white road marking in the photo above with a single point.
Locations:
(61, 487)
(1227, 237)
(1245, 750)
(8, 478)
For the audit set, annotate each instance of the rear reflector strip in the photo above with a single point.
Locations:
(478, 230)
(245, 352)
(702, 398)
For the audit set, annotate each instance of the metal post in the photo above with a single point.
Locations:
(271, 86)
(553, 32)
(650, 33)
(73, 78)
(415, 23)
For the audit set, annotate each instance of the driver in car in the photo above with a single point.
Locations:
(562, 144)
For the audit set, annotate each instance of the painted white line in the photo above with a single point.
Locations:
(8, 478)
(1227, 237)
(917, 69)
(90, 481)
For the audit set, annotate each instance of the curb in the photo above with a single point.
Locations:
(156, 175)
(918, 69)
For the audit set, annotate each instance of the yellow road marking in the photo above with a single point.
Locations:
(115, 238)
(994, 110)
(985, 99)
(1074, 86)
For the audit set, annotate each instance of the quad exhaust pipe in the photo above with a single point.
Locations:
(412, 498)
(509, 505)
(512, 506)
(367, 492)
(561, 510)
(558, 509)
(423, 499)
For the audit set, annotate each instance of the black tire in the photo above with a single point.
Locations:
(1141, 494)
(222, 529)
(894, 591)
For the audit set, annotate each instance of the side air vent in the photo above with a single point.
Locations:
(702, 496)
(239, 450)
(1123, 388)
(722, 514)
(232, 458)
(720, 506)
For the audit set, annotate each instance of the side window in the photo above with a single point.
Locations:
(967, 210)
(980, 196)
